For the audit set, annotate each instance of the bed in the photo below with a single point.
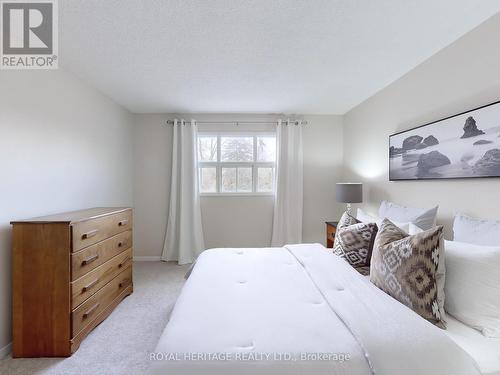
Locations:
(296, 310)
(485, 350)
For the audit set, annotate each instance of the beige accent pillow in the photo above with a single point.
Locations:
(405, 267)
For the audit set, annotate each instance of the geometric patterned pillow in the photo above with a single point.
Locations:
(354, 241)
(405, 267)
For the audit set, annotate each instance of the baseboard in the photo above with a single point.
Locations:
(154, 258)
(5, 351)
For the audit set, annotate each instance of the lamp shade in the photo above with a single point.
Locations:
(349, 192)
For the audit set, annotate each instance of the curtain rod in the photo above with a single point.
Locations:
(296, 122)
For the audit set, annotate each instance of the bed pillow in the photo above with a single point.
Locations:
(476, 231)
(414, 229)
(441, 271)
(473, 285)
(405, 267)
(354, 240)
(365, 217)
(421, 217)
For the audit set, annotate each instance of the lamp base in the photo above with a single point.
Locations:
(348, 209)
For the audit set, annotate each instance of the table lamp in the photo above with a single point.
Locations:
(349, 192)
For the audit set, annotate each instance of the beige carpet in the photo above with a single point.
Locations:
(122, 343)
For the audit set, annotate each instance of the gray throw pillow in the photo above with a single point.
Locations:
(405, 267)
(354, 241)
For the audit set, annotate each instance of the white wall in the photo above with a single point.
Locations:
(152, 160)
(63, 146)
(463, 76)
(232, 221)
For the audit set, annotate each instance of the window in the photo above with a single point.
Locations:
(236, 163)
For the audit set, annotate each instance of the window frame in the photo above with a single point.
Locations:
(218, 164)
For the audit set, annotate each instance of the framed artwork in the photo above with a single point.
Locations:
(466, 145)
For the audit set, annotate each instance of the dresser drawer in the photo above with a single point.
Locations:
(86, 233)
(93, 256)
(90, 309)
(77, 340)
(90, 283)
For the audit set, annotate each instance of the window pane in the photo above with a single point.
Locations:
(228, 180)
(245, 180)
(208, 180)
(207, 148)
(236, 148)
(265, 180)
(266, 149)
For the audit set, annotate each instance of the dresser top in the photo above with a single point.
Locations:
(74, 216)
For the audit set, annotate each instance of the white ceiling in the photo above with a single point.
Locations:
(260, 56)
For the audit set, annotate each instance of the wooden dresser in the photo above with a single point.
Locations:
(69, 272)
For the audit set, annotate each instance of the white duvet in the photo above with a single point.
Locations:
(296, 310)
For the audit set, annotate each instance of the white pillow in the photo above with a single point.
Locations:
(365, 217)
(476, 231)
(413, 229)
(473, 285)
(422, 217)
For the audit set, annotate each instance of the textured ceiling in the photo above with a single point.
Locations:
(262, 56)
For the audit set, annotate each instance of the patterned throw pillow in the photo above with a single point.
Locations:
(405, 267)
(354, 242)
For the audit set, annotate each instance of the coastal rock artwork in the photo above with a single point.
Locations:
(414, 142)
(462, 146)
(465, 161)
(431, 160)
(411, 143)
(408, 159)
(420, 146)
(489, 164)
(431, 141)
(482, 142)
(470, 128)
(395, 151)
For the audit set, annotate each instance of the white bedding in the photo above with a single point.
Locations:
(295, 300)
(485, 350)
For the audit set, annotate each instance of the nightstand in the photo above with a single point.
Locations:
(331, 228)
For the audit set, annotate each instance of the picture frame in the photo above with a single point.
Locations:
(464, 145)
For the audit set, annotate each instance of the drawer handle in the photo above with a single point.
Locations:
(123, 283)
(124, 262)
(90, 285)
(121, 244)
(122, 223)
(87, 313)
(89, 234)
(89, 259)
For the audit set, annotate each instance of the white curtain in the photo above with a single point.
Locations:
(287, 221)
(184, 237)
